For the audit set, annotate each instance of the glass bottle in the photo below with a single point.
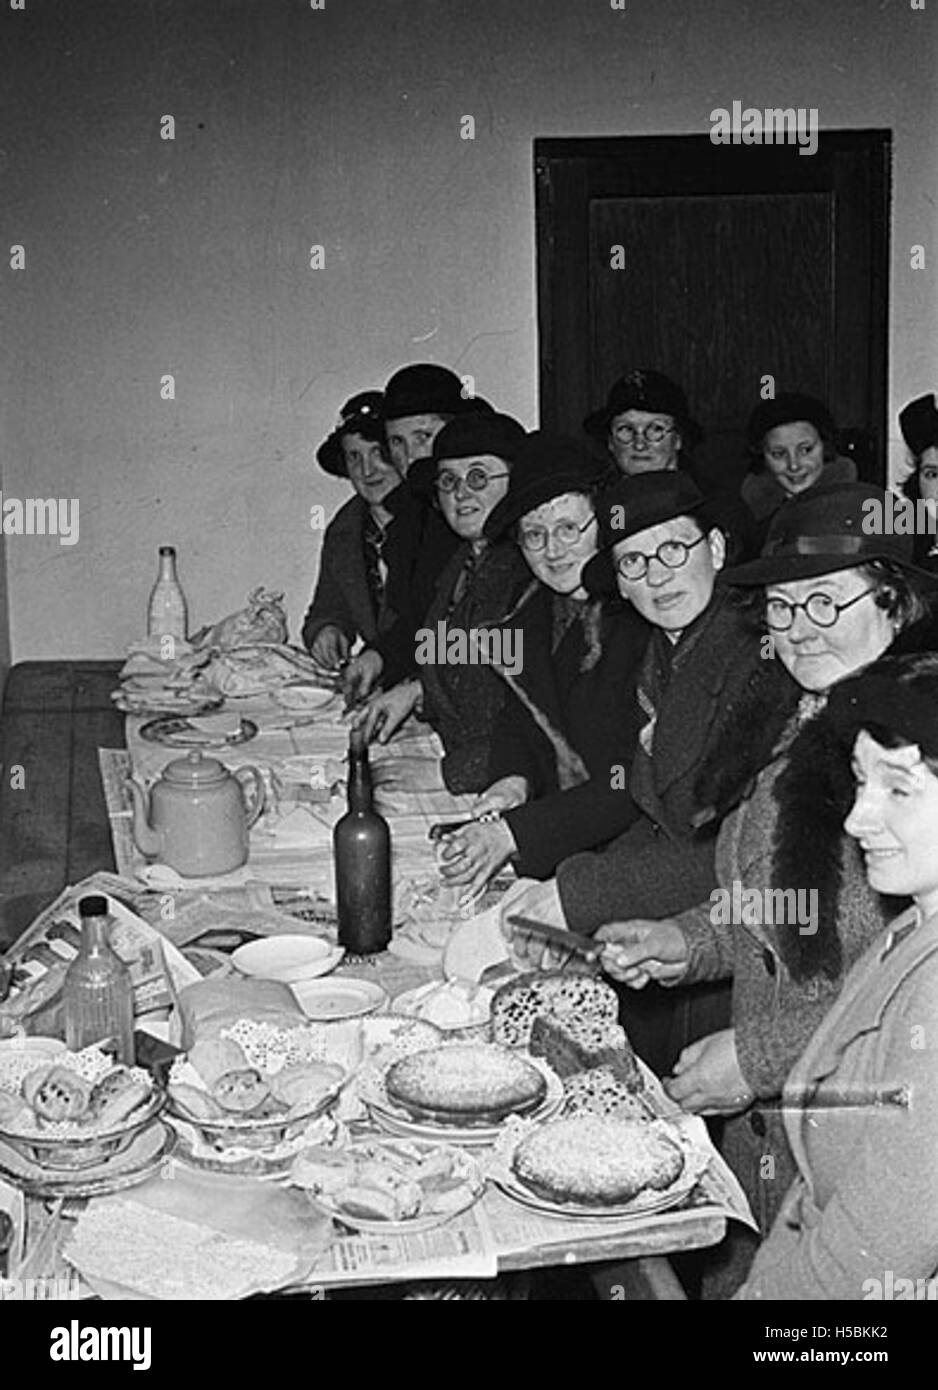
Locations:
(167, 615)
(98, 994)
(362, 848)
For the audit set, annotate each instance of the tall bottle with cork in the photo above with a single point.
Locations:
(167, 614)
(362, 848)
(98, 994)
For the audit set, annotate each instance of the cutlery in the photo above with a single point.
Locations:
(576, 945)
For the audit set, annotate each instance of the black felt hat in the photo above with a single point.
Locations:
(633, 504)
(423, 388)
(362, 414)
(785, 409)
(918, 422)
(482, 432)
(650, 391)
(546, 466)
(823, 530)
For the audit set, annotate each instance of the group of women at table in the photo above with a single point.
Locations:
(711, 699)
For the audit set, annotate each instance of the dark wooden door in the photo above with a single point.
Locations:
(737, 263)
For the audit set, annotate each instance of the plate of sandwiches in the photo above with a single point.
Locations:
(590, 1165)
(390, 1185)
(462, 1092)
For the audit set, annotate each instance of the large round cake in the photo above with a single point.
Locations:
(465, 1080)
(592, 1161)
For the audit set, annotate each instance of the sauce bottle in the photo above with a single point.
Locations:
(98, 994)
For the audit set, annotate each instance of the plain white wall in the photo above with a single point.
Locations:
(338, 126)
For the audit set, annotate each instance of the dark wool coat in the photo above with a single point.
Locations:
(463, 701)
(659, 866)
(341, 595)
(593, 710)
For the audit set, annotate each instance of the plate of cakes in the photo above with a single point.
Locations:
(590, 1165)
(461, 1093)
(390, 1185)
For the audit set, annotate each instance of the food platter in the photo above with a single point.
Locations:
(392, 1120)
(464, 1183)
(177, 731)
(134, 1165)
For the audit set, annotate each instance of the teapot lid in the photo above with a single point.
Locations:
(195, 770)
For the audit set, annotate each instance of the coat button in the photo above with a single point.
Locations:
(768, 960)
(757, 1123)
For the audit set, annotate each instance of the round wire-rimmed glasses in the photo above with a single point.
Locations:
(566, 532)
(671, 554)
(476, 479)
(820, 608)
(654, 433)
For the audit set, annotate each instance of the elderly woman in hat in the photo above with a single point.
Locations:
(467, 626)
(918, 422)
(571, 714)
(861, 1102)
(835, 599)
(351, 599)
(704, 661)
(419, 400)
(792, 448)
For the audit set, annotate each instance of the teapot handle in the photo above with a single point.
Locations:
(253, 804)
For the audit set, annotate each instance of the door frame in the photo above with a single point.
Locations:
(855, 165)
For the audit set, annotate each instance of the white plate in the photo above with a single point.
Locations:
(474, 1188)
(324, 1000)
(40, 1048)
(289, 958)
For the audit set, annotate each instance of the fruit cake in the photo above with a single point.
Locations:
(517, 1004)
(591, 1161)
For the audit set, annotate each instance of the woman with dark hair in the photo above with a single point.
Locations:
(836, 598)
(571, 711)
(351, 600)
(861, 1102)
(792, 448)
(918, 422)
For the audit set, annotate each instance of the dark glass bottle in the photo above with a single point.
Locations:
(98, 994)
(362, 847)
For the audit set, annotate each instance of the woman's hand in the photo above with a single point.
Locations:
(473, 855)
(385, 713)
(541, 902)
(707, 1079)
(361, 676)
(330, 648)
(639, 951)
(503, 795)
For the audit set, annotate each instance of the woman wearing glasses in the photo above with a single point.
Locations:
(571, 712)
(704, 659)
(456, 688)
(835, 600)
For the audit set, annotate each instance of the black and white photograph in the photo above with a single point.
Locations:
(469, 668)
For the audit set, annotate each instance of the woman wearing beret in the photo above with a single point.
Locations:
(571, 714)
(835, 599)
(792, 448)
(646, 427)
(918, 422)
(351, 599)
(480, 589)
(861, 1103)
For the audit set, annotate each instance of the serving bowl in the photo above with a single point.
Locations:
(261, 1134)
(75, 1151)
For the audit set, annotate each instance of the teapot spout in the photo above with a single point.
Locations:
(146, 839)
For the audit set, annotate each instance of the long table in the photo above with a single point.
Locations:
(54, 830)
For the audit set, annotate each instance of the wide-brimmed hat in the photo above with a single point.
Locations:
(786, 409)
(546, 466)
(633, 504)
(361, 414)
(918, 422)
(828, 528)
(423, 388)
(485, 432)
(647, 390)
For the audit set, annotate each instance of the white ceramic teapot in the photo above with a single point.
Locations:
(197, 816)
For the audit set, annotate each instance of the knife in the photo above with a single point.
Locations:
(570, 941)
